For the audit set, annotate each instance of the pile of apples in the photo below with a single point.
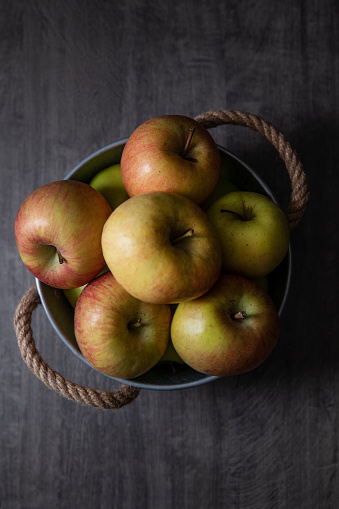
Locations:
(153, 259)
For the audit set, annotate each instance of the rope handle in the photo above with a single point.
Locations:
(299, 194)
(126, 394)
(72, 391)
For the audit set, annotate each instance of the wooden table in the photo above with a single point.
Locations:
(75, 76)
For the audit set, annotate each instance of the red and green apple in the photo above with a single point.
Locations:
(171, 153)
(58, 233)
(117, 334)
(230, 330)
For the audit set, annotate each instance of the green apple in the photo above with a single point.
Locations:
(171, 153)
(58, 236)
(253, 231)
(171, 355)
(72, 294)
(117, 334)
(223, 187)
(109, 183)
(231, 329)
(162, 248)
(262, 281)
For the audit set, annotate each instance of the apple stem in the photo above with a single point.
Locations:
(239, 216)
(137, 323)
(173, 367)
(61, 258)
(188, 141)
(187, 233)
(240, 315)
(247, 215)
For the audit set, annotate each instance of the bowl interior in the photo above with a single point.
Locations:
(162, 377)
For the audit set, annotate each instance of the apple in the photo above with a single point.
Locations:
(58, 233)
(171, 356)
(223, 187)
(230, 330)
(72, 294)
(109, 183)
(263, 282)
(117, 334)
(171, 153)
(253, 231)
(162, 248)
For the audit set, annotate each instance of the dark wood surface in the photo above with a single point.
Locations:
(75, 76)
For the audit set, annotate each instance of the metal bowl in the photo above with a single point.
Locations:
(161, 377)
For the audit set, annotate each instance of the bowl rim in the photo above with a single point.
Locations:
(133, 382)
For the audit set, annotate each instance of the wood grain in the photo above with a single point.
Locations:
(75, 76)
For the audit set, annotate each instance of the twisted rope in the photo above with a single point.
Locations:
(72, 391)
(299, 193)
(126, 394)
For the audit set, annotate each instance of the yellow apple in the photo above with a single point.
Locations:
(162, 248)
